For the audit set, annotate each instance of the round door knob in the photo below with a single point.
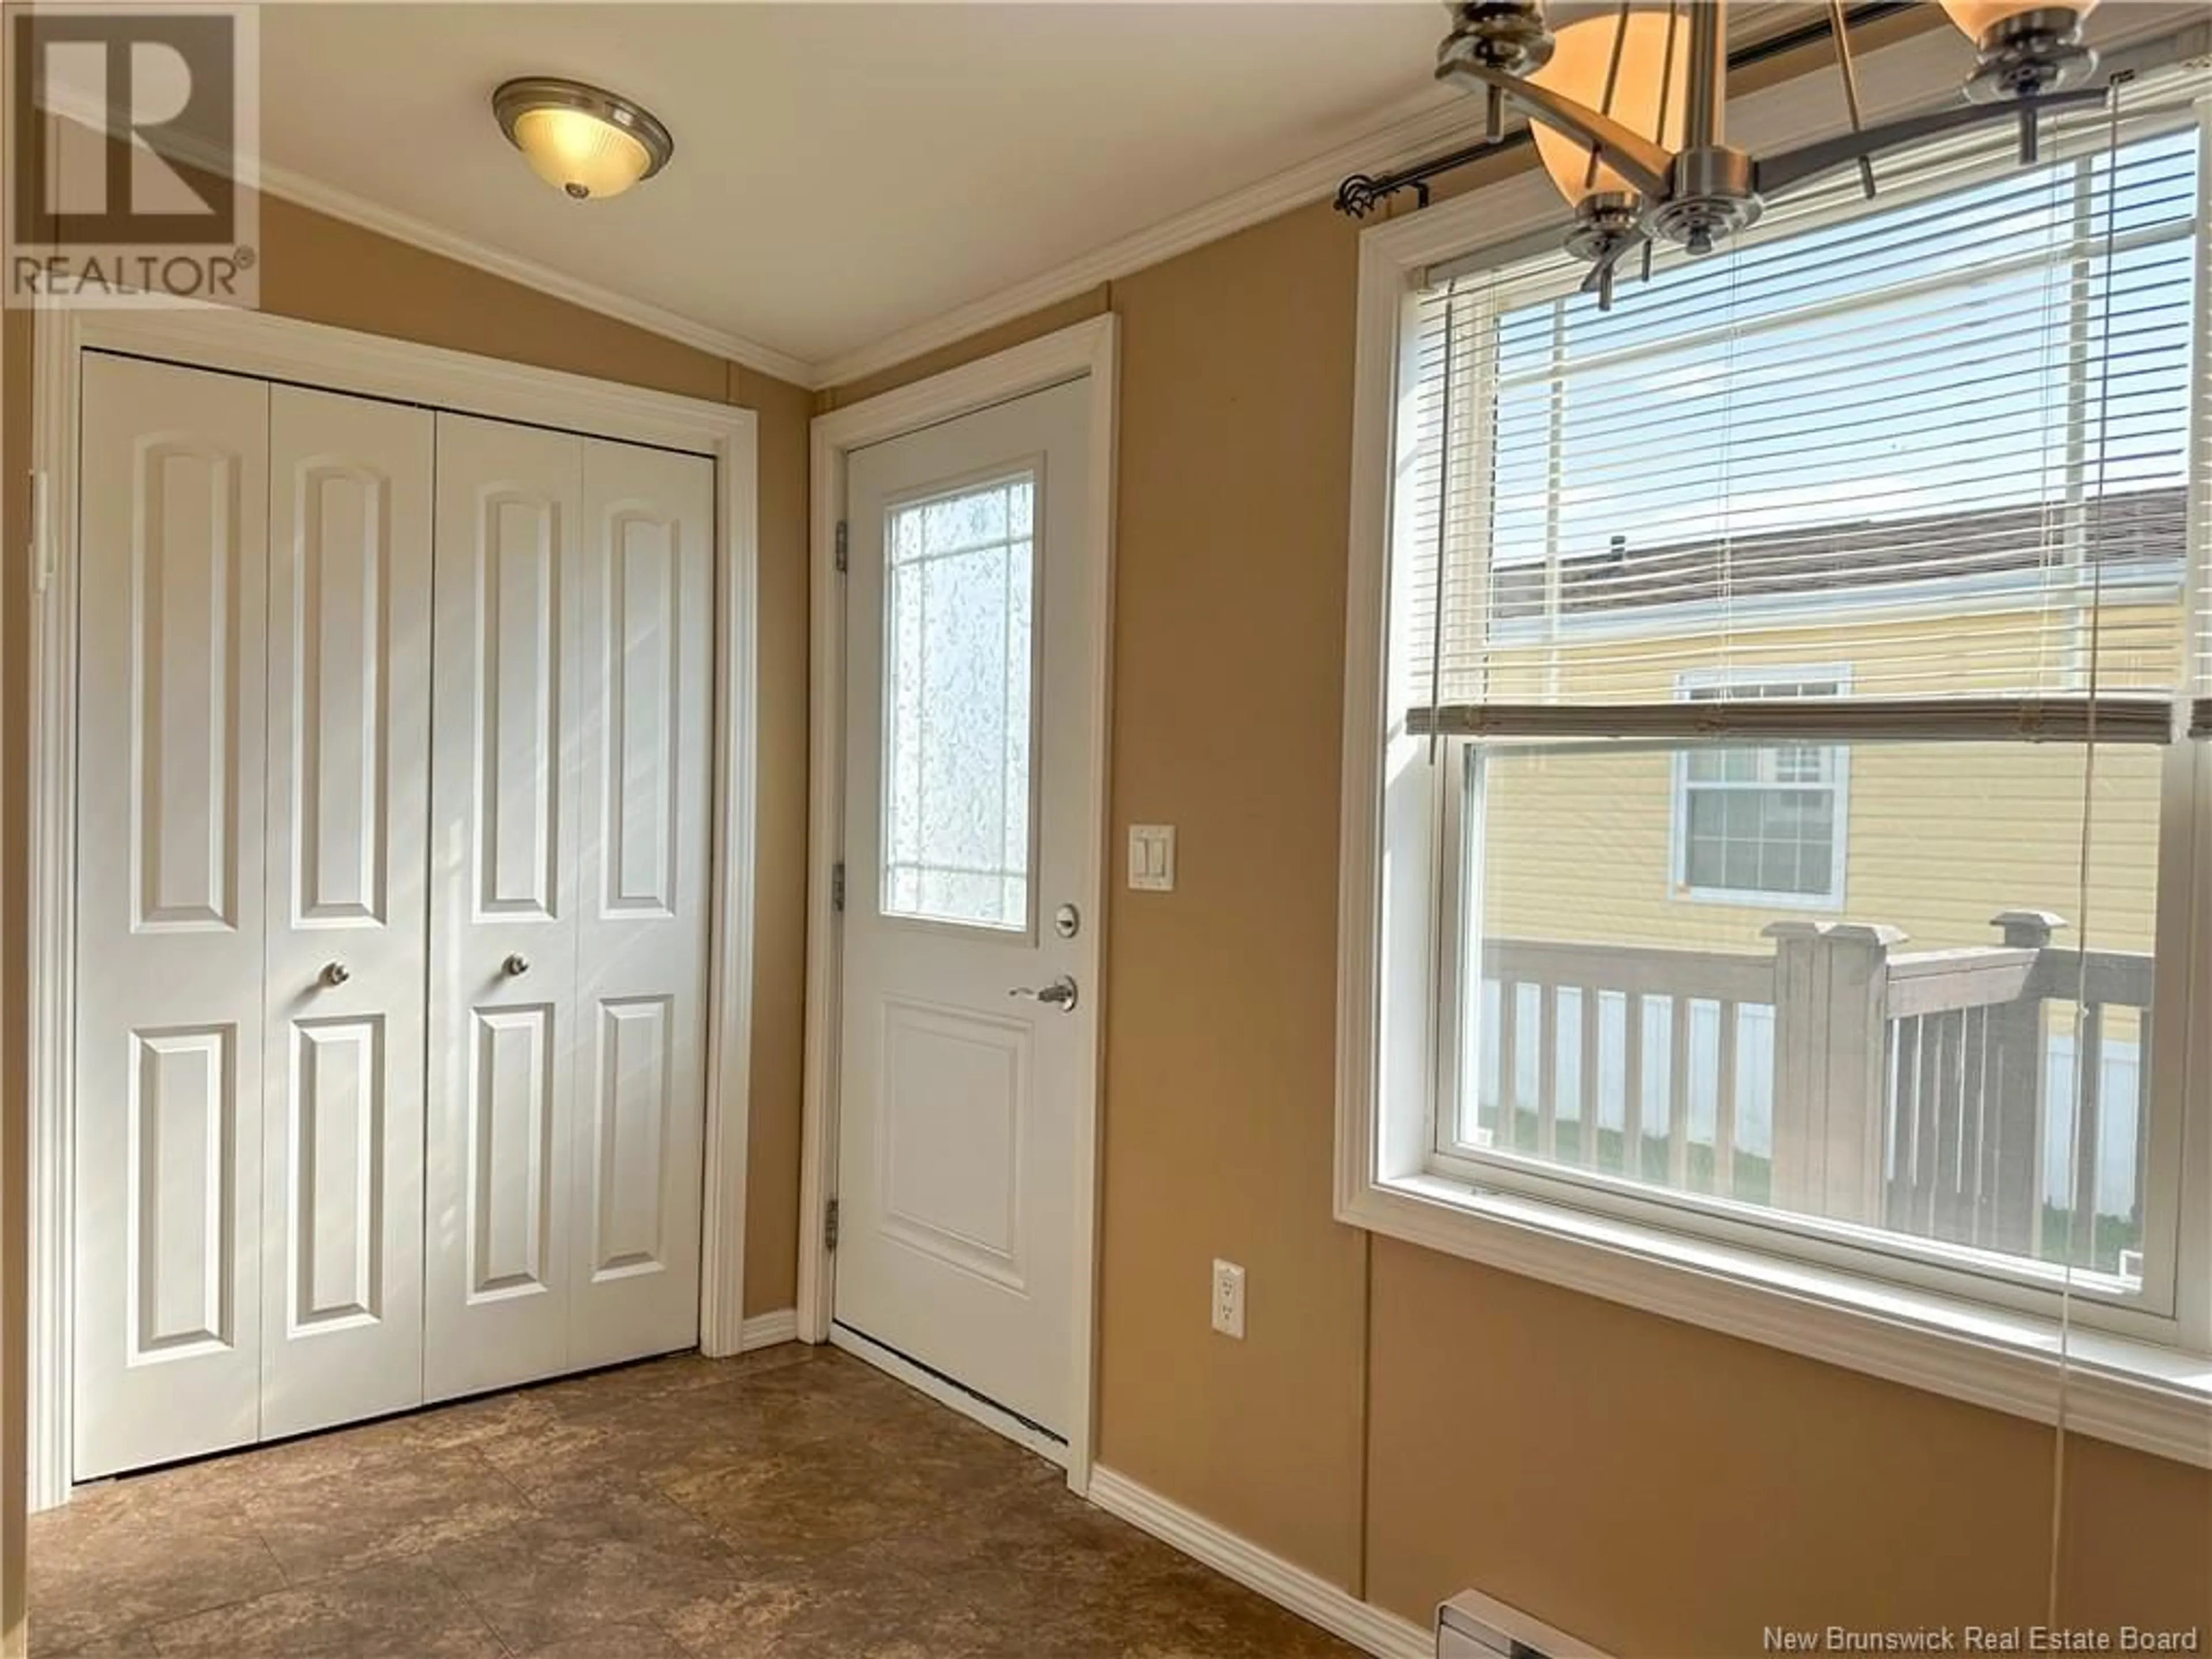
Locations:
(335, 973)
(516, 965)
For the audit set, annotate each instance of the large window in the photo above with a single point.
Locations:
(1787, 837)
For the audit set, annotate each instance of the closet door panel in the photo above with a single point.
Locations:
(170, 1051)
(644, 666)
(499, 1223)
(350, 573)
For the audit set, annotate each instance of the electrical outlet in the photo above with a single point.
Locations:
(1229, 1298)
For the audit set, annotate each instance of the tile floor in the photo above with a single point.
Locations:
(791, 1503)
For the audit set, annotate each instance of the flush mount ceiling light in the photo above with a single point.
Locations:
(1628, 98)
(582, 140)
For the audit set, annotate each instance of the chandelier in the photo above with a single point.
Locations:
(1628, 102)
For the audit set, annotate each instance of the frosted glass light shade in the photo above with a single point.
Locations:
(1581, 65)
(1976, 18)
(579, 152)
(582, 140)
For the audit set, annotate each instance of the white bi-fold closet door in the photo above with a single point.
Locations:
(251, 911)
(392, 907)
(567, 936)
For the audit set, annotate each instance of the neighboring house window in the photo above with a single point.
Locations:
(1865, 544)
(1762, 825)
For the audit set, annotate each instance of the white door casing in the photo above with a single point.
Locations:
(967, 806)
(169, 927)
(349, 710)
(644, 666)
(497, 1184)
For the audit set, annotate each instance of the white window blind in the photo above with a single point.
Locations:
(1959, 416)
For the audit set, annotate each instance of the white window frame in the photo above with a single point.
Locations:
(2144, 1381)
(1839, 785)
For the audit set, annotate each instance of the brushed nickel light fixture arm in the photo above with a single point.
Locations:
(1775, 174)
(1634, 157)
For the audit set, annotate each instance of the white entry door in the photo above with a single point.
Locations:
(341, 1200)
(170, 775)
(966, 1033)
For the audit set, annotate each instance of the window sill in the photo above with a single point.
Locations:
(2135, 1394)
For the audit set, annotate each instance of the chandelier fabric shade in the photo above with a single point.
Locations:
(1975, 19)
(1632, 63)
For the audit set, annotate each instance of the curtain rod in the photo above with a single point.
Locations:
(1361, 193)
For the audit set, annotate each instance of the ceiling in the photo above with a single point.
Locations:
(856, 182)
(842, 171)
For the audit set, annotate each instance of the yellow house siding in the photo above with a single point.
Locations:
(1939, 837)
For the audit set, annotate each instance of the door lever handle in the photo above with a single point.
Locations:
(1060, 993)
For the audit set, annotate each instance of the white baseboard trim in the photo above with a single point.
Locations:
(766, 1330)
(1313, 1598)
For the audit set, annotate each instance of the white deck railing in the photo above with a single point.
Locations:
(1940, 1093)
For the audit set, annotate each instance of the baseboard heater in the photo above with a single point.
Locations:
(1473, 1626)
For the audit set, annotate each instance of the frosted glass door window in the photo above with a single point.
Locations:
(957, 710)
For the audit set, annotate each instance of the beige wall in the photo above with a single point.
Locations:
(1404, 1424)
(1229, 628)
(326, 271)
(1662, 1490)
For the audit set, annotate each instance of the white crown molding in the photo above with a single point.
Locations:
(1313, 1598)
(324, 198)
(1410, 131)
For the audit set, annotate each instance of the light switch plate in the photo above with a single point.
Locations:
(1151, 857)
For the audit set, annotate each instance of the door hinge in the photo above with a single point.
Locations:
(844, 544)
(836, 887)
(829, 1226)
